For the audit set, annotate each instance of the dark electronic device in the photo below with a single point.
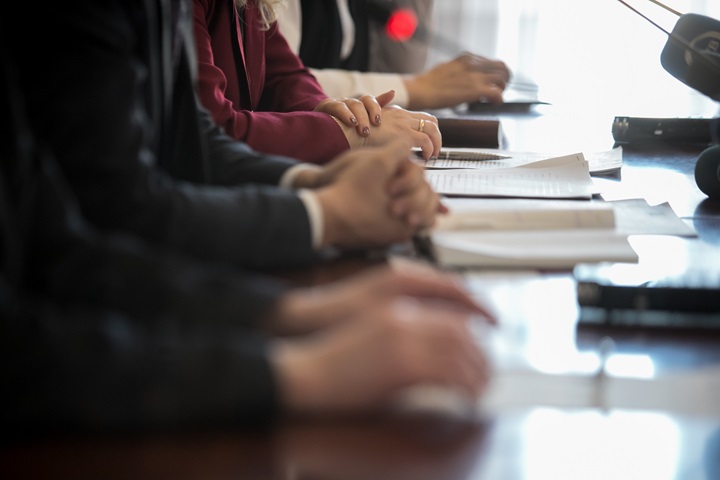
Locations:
(628, 130)
(626, 295)
(692, 55)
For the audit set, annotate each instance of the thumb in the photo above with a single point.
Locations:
(385, 98)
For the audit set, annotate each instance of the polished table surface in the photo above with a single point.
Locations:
(528, 442)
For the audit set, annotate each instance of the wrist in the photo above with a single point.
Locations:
(351, 136)
(308, 178)
(335, 227)
(415, 94)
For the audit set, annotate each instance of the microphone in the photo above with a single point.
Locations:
(707, 172)
(695, 62)
(692, 55)
(692, 51)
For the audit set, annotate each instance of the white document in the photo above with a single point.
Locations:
(636, 216)
(695, 393)
(489, 158)
(524, 214)
(535, 249)
(560, 177)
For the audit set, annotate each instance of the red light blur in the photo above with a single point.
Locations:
(401, 25)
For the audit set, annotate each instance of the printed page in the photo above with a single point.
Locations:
(485, 158)
(560, 177)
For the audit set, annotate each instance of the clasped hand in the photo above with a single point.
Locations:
(373, 197)
(372, 121)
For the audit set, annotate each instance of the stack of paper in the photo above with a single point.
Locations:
(548, 234)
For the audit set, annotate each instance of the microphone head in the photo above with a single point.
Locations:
(707, 172)
(698, 66)
(401, 25)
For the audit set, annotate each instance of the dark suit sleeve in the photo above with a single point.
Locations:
(105, 332)
(93, 101)
(77, 368)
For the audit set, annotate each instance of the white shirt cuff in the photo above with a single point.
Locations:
(315, 215)
(288, 178)
(343, 83)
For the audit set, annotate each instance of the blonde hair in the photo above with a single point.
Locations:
(267, 10)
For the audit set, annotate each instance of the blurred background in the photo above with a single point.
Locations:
(596, 55)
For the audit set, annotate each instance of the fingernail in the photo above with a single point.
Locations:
(366, 131)
(353, 120)
(377, 119)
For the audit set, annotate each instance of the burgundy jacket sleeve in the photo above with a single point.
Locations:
(258, 90)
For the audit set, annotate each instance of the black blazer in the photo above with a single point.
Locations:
(110, 89)
(103, 332)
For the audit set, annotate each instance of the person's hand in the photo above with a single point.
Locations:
(307, 309)
(420, 129)
(466, 78)
(406, 189)
(378, 197)
(357, 113)
(386, 347)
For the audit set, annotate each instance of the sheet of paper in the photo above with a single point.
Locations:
(560, 177)
(486, 158)
(542, 249)
(524, 213)
(695, 392)
(636, 216)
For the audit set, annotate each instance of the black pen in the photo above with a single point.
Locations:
(422, 242)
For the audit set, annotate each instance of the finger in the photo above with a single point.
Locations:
(361, 114)
(407, 178)
(462, 358)
(385, 98)
(441, 351)
(482, 64)
(490, 94)
(417, 208)
(373, 109)
(412, 198)
(493, 80)
(498, 68)
(433, 131)
(442, 208)
(396, 157)
(473, 372)
(436, 285)
(338, 110)
(427, 135)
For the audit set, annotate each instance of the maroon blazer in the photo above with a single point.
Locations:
(258, 90)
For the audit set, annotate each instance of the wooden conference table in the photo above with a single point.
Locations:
(529, 442)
